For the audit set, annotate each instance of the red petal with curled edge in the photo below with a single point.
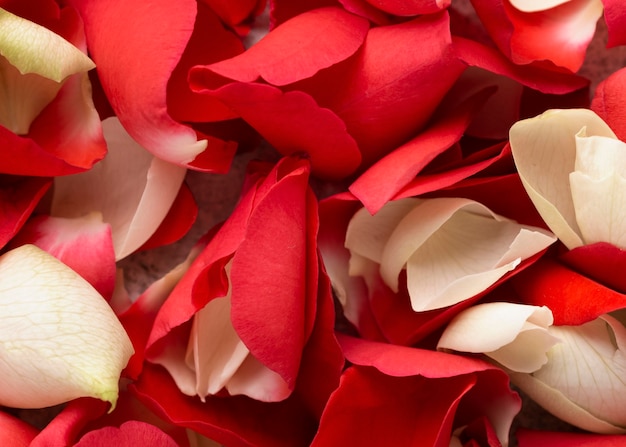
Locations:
(546, 81)
(292, 122)
(537, 438)
(381, 182)
(391, 90)
(283, 10)
(129, 434)
(609, 102)
(396, 404)
(18, 198)
(233, 13)
(573, 298)
(615, 17)
(297, 49)
(559, 35)
(84, 244)
(602, 262)
(135, 59)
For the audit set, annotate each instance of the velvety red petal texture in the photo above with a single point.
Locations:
(547, 81)
(609, 102)
(615, 17)
(390, 90)
(298, 48)
(535, 438)
(371, 409)
(573, 298)
(129, 434)
(283, 10)
(293, 123)
(602, 262)
(83, 244)
(235, 12)
(15, 432)
(381, 182)
(18, 198)
(135, 59)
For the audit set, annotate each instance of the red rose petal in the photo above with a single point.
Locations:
(615, 17)
(297, 49)
(234, 13)
(410, 7)
(546, 81)
(573, 298)
(129, 434)
(15, 432)
(609, 102)
(293, 123)
(602, 262)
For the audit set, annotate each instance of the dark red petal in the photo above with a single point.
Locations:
(602, 262)
(297, 49)
(234, 13)
(18, 198)
(410, 7)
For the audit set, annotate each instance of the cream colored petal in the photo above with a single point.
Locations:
(367, 235)
(598, 157)
(215, 351)
(131, 188)
(31, 48)
(544, 150)
(583, 382)
(536, 5)
(255, 380)
(454, 249)
(61, 340)
(515, 335)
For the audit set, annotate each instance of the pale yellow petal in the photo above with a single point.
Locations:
(131, 188)
(544, 150)
(536, 5)
(61, 339)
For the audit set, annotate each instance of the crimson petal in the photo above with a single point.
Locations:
(615, 18)
(609, 102)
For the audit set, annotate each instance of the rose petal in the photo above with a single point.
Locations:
(134, 64)
(297, 49)
(614, 17)
(514, 335)
(411, 7)
(532, 438)
(131, 188)
(536, 5)
(582, 382)
(608, 102)
(15, 432)
(544, 149)
(129, 434)
(72, 320)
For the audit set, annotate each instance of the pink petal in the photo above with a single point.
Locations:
(129, 434)
(381, 182)
(135, 60)
(609, 102)
(313, 130)
(573, 298)
(297, 49)
(83, 244)
(614, 15)
(18, 198)
(546, 81)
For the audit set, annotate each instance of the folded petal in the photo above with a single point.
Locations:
(410, 8)
(135, 60)
(129, 434)
(537, 438)
(514, 335)
(298, 48)
(582, 382)
(63, 341)
(131, 188)
(544, 149)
